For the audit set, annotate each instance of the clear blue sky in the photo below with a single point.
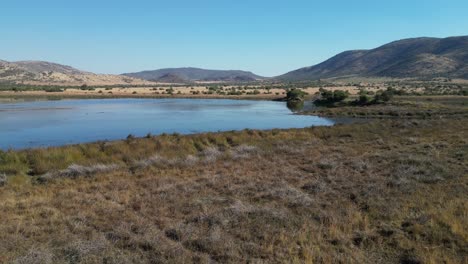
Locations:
(266, 37)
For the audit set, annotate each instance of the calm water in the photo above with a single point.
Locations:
(53, 123)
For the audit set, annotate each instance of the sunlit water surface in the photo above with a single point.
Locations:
(25, 124)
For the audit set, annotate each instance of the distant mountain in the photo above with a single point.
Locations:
(48, 73)
(195, 74)
(416, 57)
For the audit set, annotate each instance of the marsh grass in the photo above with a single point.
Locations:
(408, 107)
(387, 191)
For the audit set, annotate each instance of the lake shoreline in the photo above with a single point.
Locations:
(205, 92)
(260, 181)
(60, 96)
(41, 123)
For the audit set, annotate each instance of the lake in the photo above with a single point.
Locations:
(26, 124)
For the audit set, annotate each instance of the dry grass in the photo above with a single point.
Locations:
(74, 171)
(3, 179)
(392, 191)
(409, 107)
(178, 92)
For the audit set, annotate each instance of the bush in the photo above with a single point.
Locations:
(363, 100)
(85, 87)
(384, 96)
(394, 91)
(329, 97)
(339, 95)
(380, 97)
(295, 95)
(53, 90)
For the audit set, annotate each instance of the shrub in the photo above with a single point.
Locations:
(170, 91)
(85, 87)
(339, 95)
(295, 94)
(384, 96)
(325, 94)
(363, 92)
(53, 90)
(394, 91)
(363, 100)
(329, 97)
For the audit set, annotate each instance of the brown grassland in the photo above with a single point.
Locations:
(163, 92)
(385, 191)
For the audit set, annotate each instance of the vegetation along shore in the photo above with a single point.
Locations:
(350, 193)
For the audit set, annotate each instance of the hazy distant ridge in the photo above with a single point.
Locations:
(195, 74)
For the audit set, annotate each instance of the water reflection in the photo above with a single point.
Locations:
(50, 123)
(295, 106)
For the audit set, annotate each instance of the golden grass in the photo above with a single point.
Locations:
(389, 191)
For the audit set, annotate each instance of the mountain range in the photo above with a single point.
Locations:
(195, 74)
(407, 58)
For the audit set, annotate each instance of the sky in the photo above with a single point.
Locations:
(266, 37)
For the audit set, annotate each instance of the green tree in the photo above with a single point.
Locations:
(363, 100)
(382, 97)
(332, 97)
(295, 95)
(339, 95)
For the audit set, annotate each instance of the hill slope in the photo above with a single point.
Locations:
(417, 57)
(195, 74)
(44, 66)
(48, 73)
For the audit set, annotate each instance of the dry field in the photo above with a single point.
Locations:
(387, 191)
(158, 92)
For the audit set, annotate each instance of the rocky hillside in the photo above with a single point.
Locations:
(417, 57)
(48, 73)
